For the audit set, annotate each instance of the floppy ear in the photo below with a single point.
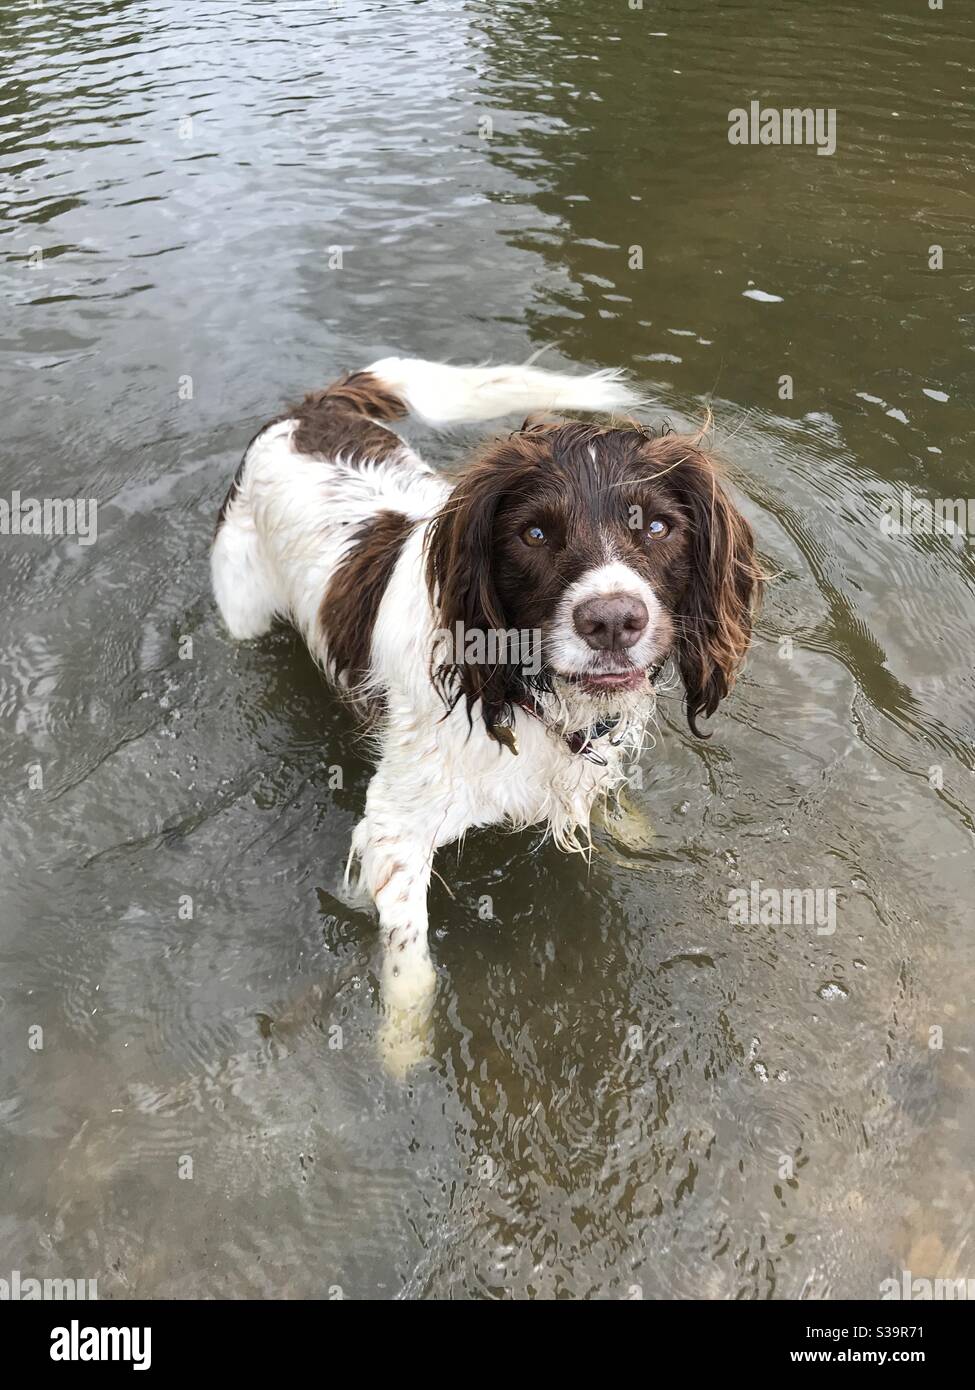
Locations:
(715, 618)
(460, 577)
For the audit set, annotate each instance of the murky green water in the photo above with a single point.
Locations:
(629, 1092)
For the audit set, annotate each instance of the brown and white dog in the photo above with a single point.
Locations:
(501, 631)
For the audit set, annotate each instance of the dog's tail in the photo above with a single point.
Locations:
(443, 395)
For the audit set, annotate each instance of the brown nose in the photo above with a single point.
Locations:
(611, 622)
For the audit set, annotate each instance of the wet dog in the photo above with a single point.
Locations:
(502, 631)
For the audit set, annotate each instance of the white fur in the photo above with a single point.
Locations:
(565, 649)
(444, 395)
(286, 530)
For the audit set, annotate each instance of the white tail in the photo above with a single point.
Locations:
(444, 395)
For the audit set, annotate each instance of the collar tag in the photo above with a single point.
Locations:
(505, 735)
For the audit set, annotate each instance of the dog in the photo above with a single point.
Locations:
(501, 633)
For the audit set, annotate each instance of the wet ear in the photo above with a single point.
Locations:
(715, 619)
(460, 577)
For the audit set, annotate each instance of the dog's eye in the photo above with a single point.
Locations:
(533, 535)
(658, 529)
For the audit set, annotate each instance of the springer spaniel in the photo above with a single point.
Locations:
(501, 632)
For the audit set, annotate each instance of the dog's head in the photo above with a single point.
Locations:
(610, 548)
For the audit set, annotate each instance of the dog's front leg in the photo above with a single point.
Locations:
(396, 861)
(397, 871)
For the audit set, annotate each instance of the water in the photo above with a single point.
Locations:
(629, 1093)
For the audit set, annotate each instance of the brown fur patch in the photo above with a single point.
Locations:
(351, 603)
(339, 420)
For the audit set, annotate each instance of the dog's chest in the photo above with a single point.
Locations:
(544, 783)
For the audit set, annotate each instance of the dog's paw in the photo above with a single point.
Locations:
(405, 1040)
(409, 988)
(627, 825)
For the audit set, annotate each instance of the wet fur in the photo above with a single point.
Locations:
(335, 524)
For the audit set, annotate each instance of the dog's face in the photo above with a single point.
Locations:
(614, 549)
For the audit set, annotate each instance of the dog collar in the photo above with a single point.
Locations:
(582, 740)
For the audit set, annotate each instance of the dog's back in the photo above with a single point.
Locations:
(327, 494)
